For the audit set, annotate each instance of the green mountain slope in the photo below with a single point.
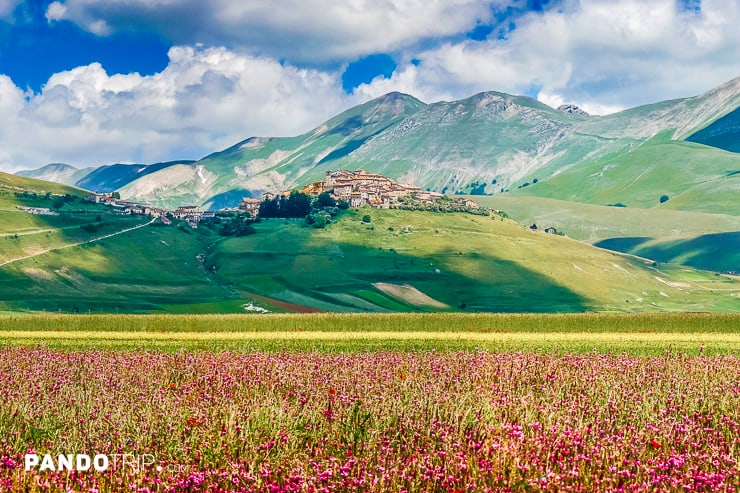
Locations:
(399, 261)
(271, 164)
(718, 252)
(640, 178)
(432, 262)
(594, 223)
(723, 133)
(488, 143)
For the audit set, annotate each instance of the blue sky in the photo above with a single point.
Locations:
(91, 82)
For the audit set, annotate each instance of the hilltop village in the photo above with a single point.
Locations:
(357, 188)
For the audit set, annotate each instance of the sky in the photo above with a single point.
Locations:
(93, 82)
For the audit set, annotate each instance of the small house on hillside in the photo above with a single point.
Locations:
(252, 206)
(551, 230)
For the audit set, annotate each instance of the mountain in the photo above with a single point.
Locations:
(112, 177)
(488, 143)
(58, 173)
(102, 179)
(259, 164)
(723, 133)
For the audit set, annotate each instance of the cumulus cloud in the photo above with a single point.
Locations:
(603, 55)
(317, 31)
(7, 7)
(205, 100)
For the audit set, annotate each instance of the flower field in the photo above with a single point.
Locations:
(372, 421)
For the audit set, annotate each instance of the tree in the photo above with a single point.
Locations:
(325, 200)
(366, 218)
(664, 198)
(317, 220)
(58, 203)
(298, 205)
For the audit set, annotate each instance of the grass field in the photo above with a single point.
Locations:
(592, 223)
(640, 334)
(469, 263)
(441, 402)
(693, 176)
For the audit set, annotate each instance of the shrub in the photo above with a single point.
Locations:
(664, 198)
(366, 218)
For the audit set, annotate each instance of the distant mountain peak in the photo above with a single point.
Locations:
(573, 109)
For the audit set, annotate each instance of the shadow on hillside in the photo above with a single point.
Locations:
(343, 276)
(136, 271)
(719, 252)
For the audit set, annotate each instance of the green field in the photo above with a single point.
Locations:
(694, 177)
(640, 334)
(468, 263)
(701, 240)
(593, 223)
(399, 261)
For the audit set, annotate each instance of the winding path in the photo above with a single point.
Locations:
(2, 264)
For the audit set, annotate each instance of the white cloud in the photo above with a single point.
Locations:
(603, 55)
(205, 100)
(316, 31)
(56, 11)
(7, 7)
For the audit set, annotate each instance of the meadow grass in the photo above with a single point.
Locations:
(637, 334)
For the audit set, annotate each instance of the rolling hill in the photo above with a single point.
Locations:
(489, 143)
(398, 261)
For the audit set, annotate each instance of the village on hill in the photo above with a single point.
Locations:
(360, 188)
(357, 188)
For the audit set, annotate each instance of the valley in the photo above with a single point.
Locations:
(645, 204)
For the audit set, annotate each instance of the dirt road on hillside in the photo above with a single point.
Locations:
(71, 245)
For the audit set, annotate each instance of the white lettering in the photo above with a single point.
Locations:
(32, 460)
(47, 463)
(83, 462)
(100, 463)
(145, 462)
(64, 462)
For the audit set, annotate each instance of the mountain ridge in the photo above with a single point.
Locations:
(490, 142)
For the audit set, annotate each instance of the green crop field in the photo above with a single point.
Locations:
(567, 333)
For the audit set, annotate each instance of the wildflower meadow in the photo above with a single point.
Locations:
(369, 421)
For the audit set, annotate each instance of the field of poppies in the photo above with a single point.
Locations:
(371, 421)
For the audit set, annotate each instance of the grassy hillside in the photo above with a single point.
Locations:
(146, 270)
(723, 133)
(134, 271)
(593, 223)
(23, 234)
(701, 240)
(10, 184)
(718, 252)
(697, 177)
(430, 262)
(399, 261)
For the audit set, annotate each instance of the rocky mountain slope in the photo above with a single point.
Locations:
(63, 173)
(489, 143)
